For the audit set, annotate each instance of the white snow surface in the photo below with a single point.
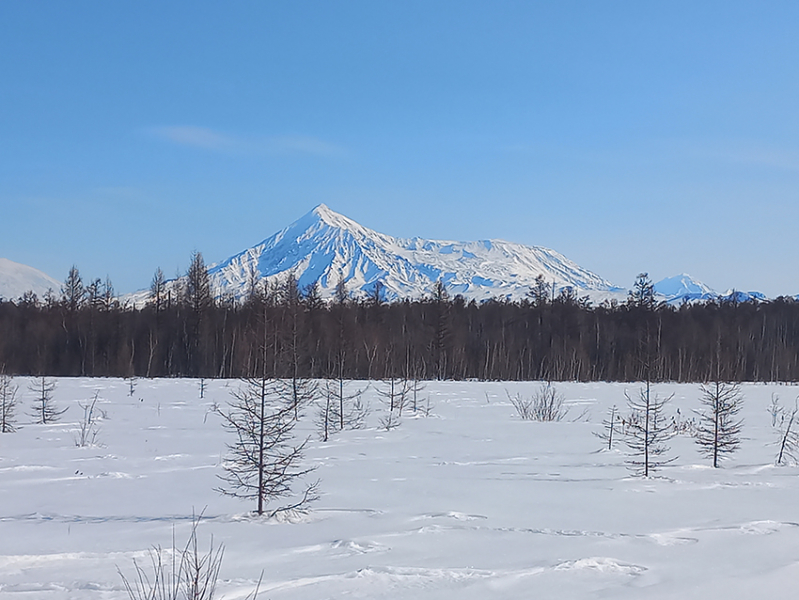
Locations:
(16, 279)
(469, 502)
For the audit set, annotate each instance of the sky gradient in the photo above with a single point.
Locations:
(629, 136)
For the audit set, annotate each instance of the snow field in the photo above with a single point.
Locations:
(470, 502)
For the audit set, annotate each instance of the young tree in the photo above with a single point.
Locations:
(341, 295)
(643, 292)
(647, 432)
(326, 420)
(718, 433)
(44, 408)
(416, 388)
(395, 394)
(73, 292)
(296, 391)
(94, 293)
(158, 290)
(540, 291)
(262, 463)
(109, 300)
(254, 291)
(609, 432)
(8, 403)
(312, 297)
(339, 409)
(198, 285)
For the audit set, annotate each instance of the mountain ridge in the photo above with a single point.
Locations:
(323, 245)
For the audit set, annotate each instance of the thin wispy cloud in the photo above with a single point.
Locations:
(209, 139)
(303, 145)
(197, 137)
(752, 154)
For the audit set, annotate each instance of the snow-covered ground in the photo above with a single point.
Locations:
(469, 503)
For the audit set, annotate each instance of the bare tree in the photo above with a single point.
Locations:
(44, 408)
(775, 409)
(297, 393)
(8, 403)
(395, 394)
(718, 433)
(610, 425)
(339, 409)
(326, 420)
(263, 464)
(647, 432)
(788, 429)
(416, 388)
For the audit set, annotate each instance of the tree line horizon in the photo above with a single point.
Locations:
(280, 330)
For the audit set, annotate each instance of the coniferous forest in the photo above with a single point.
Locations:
(285, 331)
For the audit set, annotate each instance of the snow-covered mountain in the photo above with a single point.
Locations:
(16, 279)
(684, 288)
(323, 246)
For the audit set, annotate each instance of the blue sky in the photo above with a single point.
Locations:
(629, 136)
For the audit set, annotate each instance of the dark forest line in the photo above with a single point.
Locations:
(287, 332)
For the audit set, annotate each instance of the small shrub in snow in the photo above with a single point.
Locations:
(88, 426)
(545, 405)
(179, 573)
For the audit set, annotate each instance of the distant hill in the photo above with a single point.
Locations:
(16, 279)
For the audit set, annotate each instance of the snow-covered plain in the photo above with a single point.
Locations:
(469, 503)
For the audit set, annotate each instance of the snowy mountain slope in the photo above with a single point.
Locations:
(16, 279)
(324, 245)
